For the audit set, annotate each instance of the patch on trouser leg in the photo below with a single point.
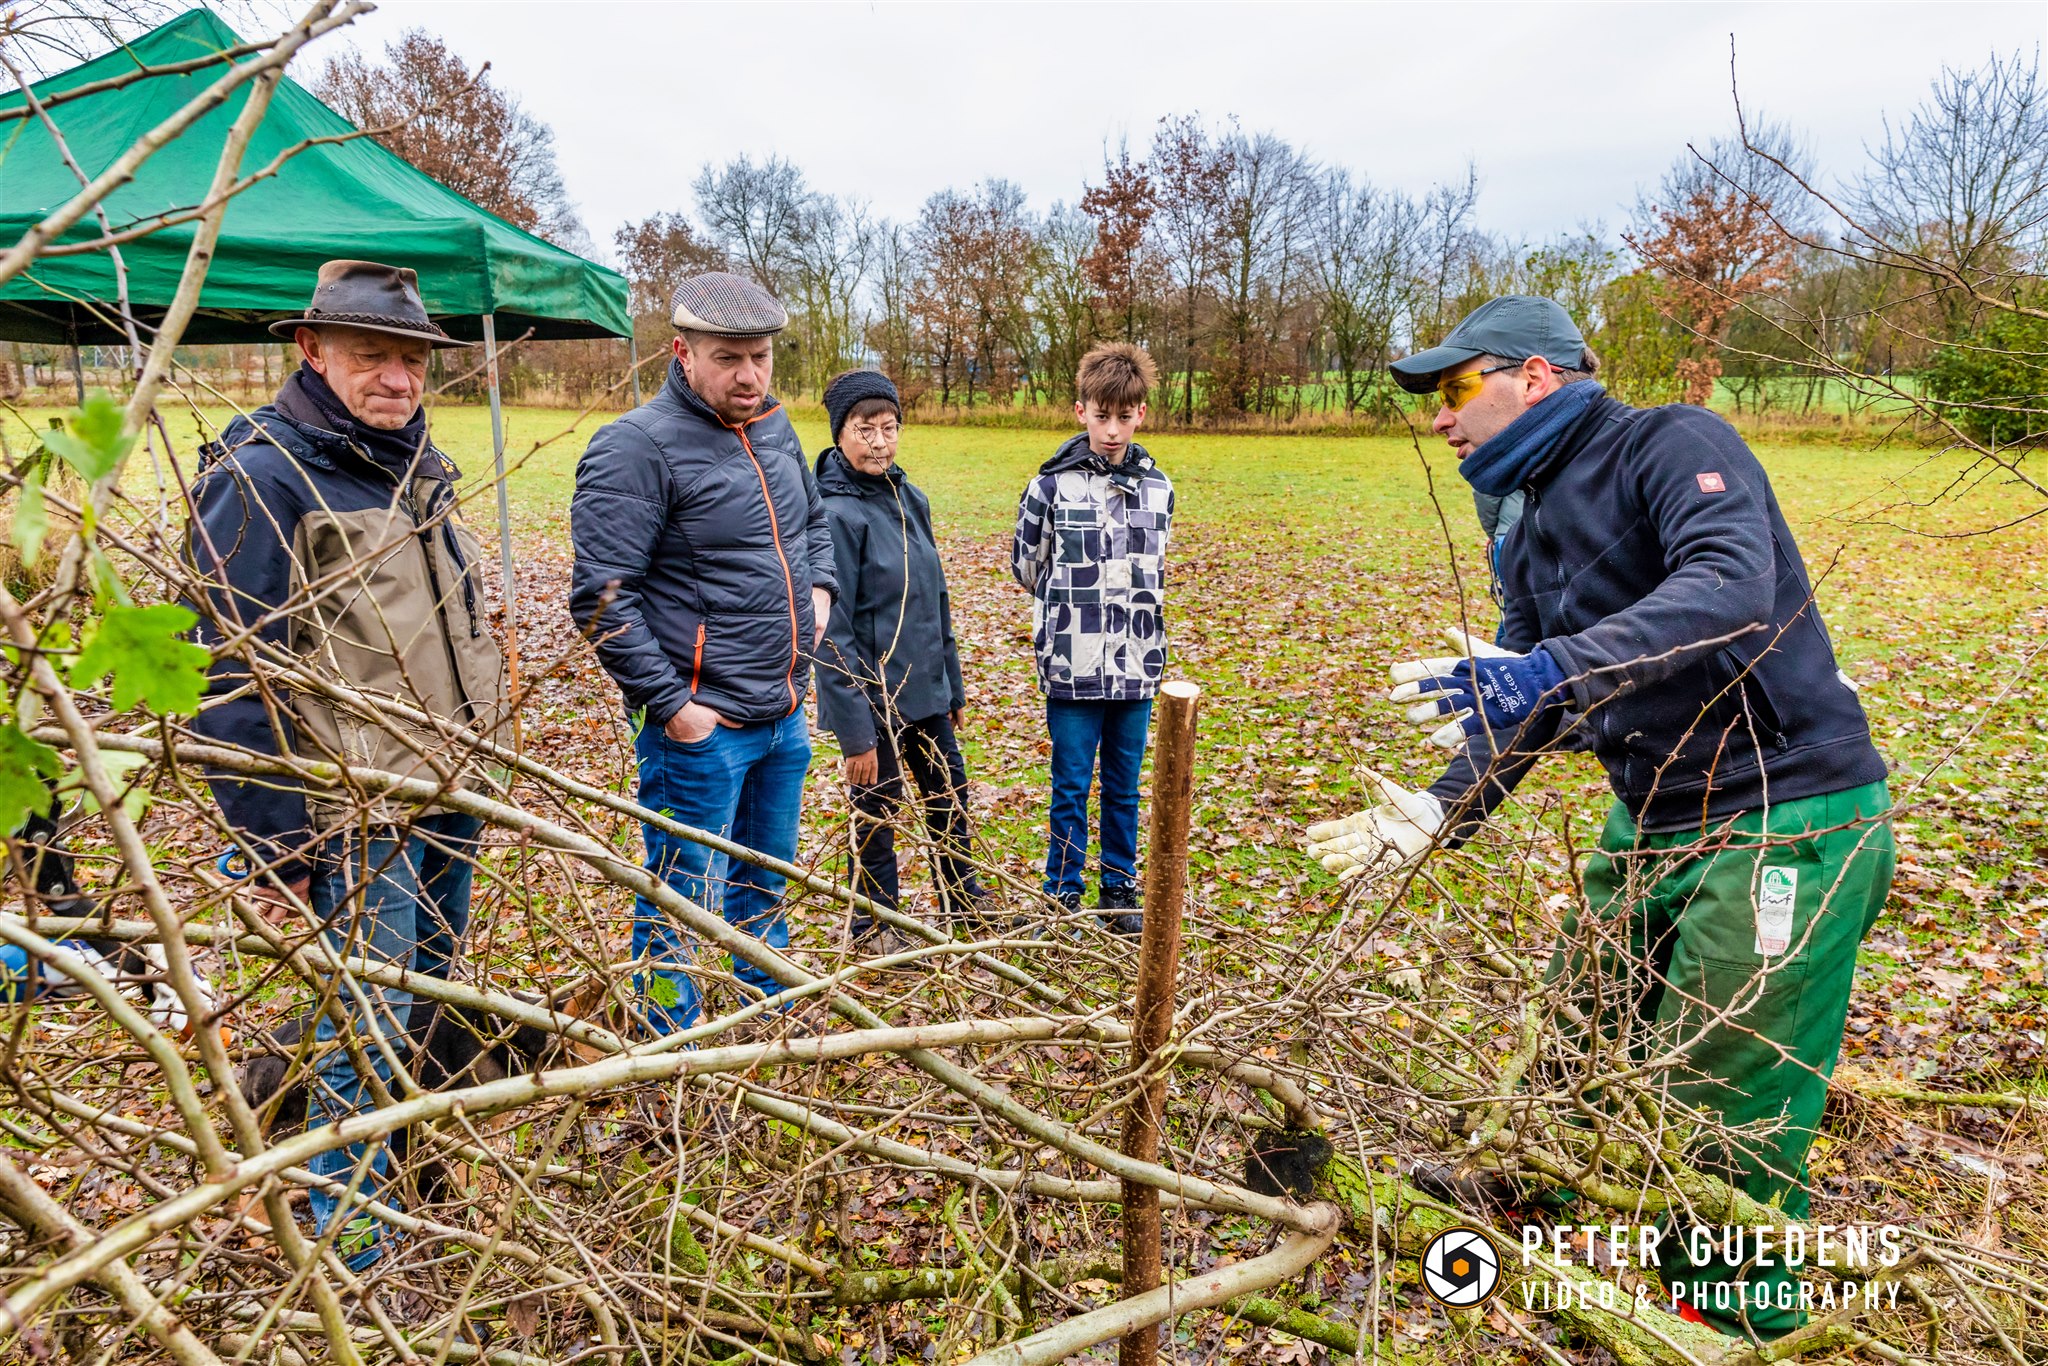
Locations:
(1777, 895)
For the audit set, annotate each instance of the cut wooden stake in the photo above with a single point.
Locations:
(1166, 880)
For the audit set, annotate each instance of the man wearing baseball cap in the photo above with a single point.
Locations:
(704, 574)
(1654, 602)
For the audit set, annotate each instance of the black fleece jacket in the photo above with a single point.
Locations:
(1653, 563)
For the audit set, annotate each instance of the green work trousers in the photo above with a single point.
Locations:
(1730, 953)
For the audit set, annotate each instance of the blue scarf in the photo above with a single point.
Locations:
(1503, 464)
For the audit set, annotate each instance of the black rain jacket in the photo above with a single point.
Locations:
(889, 648)
(697, 544)
(1653, 563)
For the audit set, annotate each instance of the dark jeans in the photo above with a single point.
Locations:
(931, 752)
(401, 901)
(747, 784)
(1081, 730)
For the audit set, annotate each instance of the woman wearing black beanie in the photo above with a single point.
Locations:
(889, 682)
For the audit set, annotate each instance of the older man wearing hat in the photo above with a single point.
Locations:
(325, 526)
(704, 575)
(1655, 602)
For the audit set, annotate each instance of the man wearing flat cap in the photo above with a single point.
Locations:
(704, 575)
(326, 529)
(1655, 604)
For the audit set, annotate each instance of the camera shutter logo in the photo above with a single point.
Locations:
(1461, 1267)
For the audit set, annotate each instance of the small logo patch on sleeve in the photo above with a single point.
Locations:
(1711, 482)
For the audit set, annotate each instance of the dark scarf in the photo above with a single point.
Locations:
(1127, 473)
(1505, 463)
(396, 451)
(834, 469)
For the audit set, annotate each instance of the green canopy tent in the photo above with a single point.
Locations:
(478, 273)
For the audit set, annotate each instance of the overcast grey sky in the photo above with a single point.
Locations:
(1566, 109)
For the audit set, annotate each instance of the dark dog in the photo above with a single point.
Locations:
(445, 1046)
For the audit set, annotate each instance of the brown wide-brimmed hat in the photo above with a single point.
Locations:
(376, 298)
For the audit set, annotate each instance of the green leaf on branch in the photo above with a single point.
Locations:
(121, 768)
(25, 765)
(663, 991)
(93, 440)
(145, 651)
(107, 588)
(31, 520)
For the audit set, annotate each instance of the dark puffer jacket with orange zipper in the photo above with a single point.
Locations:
(697, 545)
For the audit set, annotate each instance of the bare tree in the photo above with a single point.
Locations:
(892, 326)
(1363, 238)
(829, 256)
(1962, 184)
(1446, 249)
(1262, 218)
(46, 36)
(1188, 173)
(942, 293)
(1068, 305)
(459, 127)
(756, 213)
(659, 253)
(1004, 280)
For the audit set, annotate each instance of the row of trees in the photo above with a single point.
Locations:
(1269, 284)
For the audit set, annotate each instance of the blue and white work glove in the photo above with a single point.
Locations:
(1487, 688)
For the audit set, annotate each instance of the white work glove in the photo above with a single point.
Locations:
(1410, 674)
(1388, 838)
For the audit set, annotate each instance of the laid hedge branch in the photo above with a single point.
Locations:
(1070, 1336)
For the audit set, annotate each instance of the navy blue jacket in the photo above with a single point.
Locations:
(697, 545)
(889, 649)
(359, 566)
(1654, 565)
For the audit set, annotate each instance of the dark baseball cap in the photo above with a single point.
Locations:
(1513, 327)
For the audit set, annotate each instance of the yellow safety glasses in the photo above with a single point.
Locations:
(1461, 390)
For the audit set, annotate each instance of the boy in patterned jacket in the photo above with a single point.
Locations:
(1091, 546)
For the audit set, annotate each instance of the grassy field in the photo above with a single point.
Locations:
(1303, 566)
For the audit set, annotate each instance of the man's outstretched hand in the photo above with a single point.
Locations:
(1487, 688)
(1388, 838)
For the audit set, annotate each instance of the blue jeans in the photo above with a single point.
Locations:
(747, 784)
(404, 902)
(1081, 730)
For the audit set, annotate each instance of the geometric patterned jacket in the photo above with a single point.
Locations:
(1091, 547)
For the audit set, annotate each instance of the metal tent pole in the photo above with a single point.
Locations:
(77, 360)
(633, 359)
(511, 582)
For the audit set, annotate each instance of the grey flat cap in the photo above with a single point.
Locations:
(365, 294)
(726, 306)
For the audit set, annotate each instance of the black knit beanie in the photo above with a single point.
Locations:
(850, 388)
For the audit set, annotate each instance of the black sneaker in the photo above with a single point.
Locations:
(1118, 904)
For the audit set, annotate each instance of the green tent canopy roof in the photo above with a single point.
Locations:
(343, 200)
